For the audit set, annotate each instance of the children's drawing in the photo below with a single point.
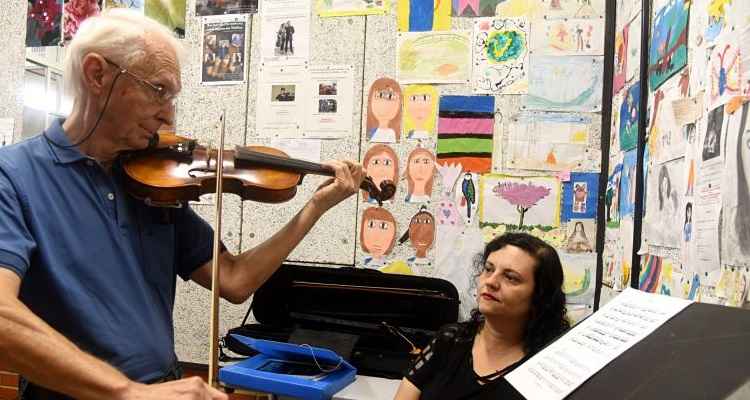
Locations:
(447, 212)
(421, 235)
(547, 141)
(449, 173)
(629, 112)
(384, 111)
(621, 60)
(556, 9)
(612, 197)
(650, 274)
(565, 83)
(381, 163)
(339, 8)
(434, 57)
(420, 173)
(377, 235)
(579, 271)
(520, 201)
(717, 18)
(664, 197)
(519, 8)
(474, 8)
(735, 226)
(569, 37)
(423, 15)
(627, 185)
(725, 80)
(467, 198)
(501, 56)
(581, 236)
(465, 131)
(634, 49)
(665, 132)
(580, 196)
(669, 36)
(420, 111)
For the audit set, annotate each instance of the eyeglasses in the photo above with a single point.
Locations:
(163, 96)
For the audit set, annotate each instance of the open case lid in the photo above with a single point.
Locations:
(289, 351)
(297, 293)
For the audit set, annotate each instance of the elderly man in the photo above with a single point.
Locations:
(87, 273)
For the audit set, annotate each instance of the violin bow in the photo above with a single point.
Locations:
(213, 361)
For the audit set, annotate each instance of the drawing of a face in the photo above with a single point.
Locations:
(420, 170)
(381, 164)
(420, 107)
(378, 232)
(384, 105)
(578, 228)
(422, 232)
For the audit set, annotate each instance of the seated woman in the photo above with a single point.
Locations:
(521, 308)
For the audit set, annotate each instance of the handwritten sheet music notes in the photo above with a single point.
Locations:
(556, 371)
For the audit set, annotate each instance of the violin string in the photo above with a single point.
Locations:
(96, 124)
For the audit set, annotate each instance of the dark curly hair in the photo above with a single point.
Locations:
(547, 319)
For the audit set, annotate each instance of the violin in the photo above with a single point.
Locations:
(174, 169)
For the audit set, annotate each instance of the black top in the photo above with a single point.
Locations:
(445, 370)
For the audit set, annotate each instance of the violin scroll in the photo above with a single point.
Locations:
(381, 193)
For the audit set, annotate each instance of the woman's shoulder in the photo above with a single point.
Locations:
(454, 333)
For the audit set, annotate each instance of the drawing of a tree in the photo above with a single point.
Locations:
(522, 195)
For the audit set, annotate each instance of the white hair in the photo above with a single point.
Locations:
(118, 34)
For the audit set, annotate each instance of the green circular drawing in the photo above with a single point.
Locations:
(505, 45)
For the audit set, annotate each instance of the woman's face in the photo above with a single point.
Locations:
(385, 105)
(578, 227)
(664, 186)
(506, 284)
(421, 167)
(377, 236)
(381, 167)
(419, 107)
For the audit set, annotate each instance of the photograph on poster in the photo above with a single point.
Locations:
(224, 50)
(434, 57)
(220, 7)
(568, 37)
(75, 12)
(571, 83)
(712, 138)
(281, 98)
(420, 111)
(283, 92)
(384, 111)
(329, 111)
(285, 37)
(420, 174)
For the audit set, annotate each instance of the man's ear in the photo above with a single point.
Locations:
(93, 74)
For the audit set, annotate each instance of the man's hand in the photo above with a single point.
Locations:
(349, 176)
(193, 388)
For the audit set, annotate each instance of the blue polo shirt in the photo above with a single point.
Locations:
(96, 264)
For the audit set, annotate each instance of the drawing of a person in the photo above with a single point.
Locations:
(687, 227)
(377, 235)
(384, 111)
(667, 197)
(381, 163)
(421, 235)
(690, 189)
(420, 171)
(579, 198)
(578, 242)
(420, 109)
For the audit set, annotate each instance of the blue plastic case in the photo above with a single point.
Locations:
(248, 374)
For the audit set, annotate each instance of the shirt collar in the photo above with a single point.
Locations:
(63, 153)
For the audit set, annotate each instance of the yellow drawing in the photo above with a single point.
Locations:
(397, 267)
(518, 8)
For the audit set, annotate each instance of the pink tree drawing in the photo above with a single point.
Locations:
(522, 195)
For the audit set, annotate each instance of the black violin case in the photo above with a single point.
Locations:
(370, 318)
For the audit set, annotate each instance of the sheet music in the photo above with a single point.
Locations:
(556, 371)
